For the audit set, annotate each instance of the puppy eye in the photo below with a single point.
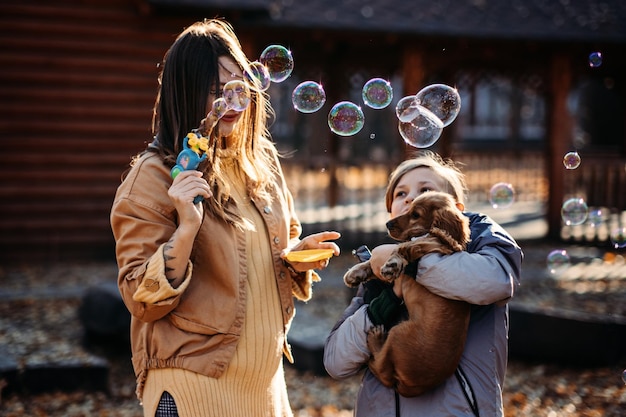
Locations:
(415, 215)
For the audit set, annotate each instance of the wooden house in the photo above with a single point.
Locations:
(78, 81)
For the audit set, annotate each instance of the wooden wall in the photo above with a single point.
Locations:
(78, 81)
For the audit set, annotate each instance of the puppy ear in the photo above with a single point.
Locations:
(453, 224)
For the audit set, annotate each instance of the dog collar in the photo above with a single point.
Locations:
(419, 237)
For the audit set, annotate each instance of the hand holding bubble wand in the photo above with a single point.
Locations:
(236, 97)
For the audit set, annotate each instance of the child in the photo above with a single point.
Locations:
(485, 276)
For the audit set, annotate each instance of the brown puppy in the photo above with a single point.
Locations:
(420, 353)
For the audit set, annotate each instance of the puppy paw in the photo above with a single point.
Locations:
(357, 274)
(393, 268)
(376, 338)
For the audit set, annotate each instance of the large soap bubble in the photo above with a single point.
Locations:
(308, 97)
(345, 118)
(443, 100)
(278, 61)
(258, 76)
(407, 109)
(377, 93)
(423, 131)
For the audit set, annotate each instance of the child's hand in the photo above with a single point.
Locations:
(380, 254)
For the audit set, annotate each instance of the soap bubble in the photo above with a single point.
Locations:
(219, 108)
(278, 61)
(501, 195)
(308, 97)
(258, 76)
(443, 100)
(377, 93)
(407, 109)
(574, 211)
(618, 237)
(624, 376)
(237, 95)
(595, 59)
(595, 217)
(422, 131)
(557, 261)
(571, 160)
(345, 118)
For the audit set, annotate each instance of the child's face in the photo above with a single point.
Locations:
(413, 184)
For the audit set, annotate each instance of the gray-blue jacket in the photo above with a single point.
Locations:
(486, 276)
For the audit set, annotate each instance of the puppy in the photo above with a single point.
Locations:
(420, 353)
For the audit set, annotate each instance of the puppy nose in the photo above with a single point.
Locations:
(390, 224)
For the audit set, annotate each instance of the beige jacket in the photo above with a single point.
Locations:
(196, 325)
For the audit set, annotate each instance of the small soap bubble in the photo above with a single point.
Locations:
(345, 118)
(278, 61)
(308, 97)
(258, 76)
(237, 95)
(571, 160)
(595, 59)
(574, 211)
(618, 237)
(557, 261)
(595, 217)
(407, 109)
(501, 195)
(443, 100)
(219, 108)
(423, 130)
(624, 376)
(377, 93)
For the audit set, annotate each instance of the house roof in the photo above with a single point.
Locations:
(554, 20)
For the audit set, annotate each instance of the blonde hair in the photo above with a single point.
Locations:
(449, 172)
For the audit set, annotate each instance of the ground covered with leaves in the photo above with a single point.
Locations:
(39, 324)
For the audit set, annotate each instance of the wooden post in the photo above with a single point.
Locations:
(413, 75)
(559, 135)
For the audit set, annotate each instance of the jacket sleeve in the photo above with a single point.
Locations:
(488, 272)
(345, 350)
(140, 232)
(301, 283)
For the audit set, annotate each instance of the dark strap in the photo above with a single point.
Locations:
(468, 392)
(397, 403)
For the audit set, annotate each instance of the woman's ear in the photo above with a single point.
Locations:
(460, 206)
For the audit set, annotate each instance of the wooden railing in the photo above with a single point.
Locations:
(359, 212)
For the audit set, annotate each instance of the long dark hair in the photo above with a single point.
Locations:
(189, 74)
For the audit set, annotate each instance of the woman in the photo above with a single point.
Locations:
(485, 276)
(207, 284)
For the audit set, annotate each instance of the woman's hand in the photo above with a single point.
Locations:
(314, 241)
(186, 186)
(380, 254)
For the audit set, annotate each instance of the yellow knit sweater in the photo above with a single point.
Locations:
(254, 383)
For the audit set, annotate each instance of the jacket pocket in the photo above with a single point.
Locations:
(192, 326)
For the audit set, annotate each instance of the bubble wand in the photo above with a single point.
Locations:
(196, 143)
